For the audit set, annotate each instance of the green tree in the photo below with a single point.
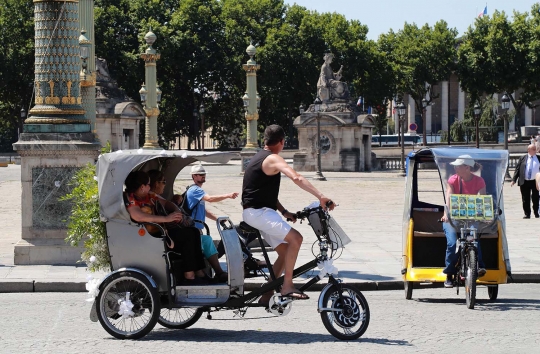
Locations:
(420, 58)
(500, 56)
(16, 66)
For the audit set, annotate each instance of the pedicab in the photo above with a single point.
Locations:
(478, 220)
(143, 288)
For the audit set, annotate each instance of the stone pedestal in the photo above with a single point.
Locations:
(245, 157)
(345, 139)
(48, 161)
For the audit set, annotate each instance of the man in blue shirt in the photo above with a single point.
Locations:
(196, 198)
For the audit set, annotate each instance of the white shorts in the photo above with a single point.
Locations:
(271, 225)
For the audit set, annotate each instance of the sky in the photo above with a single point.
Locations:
(382, 15)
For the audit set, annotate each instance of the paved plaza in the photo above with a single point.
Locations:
(370, 211)
(438, 322)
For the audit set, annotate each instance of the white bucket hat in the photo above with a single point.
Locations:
(463, 160)
(197, 170)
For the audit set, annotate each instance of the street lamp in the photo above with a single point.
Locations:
(201, 111)
(425, 103)
(245, 98)
(477, 111)
(23, 117)
(505, 104)
(158, 94)
(317, 106)
(195, 125)
(143, 93)
(150, 93)
(401, 116)
(301, 109)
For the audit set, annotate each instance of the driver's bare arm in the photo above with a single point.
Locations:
(274, 164)
(449, 191)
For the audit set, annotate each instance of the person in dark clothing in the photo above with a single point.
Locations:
(524, 174)
(186, 239)
(260, 191)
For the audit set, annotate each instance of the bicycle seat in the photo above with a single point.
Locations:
(246, 228)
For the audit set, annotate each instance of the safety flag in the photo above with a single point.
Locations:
(483, 13)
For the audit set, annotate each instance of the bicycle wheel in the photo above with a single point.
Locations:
(493, 291)
(179, 318)
(348, 318)
(408, 286)
(471, 268)
(132, 294)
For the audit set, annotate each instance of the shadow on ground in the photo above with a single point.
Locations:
(253, 336)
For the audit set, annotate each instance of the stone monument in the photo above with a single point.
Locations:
(345, 132)
(118, 116)
(56, 139)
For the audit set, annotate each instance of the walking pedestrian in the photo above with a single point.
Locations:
(526, 169)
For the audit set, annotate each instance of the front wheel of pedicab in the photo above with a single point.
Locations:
(408, 286)
(346, 318)
(493, 292)
(471, 274)
(127, 305)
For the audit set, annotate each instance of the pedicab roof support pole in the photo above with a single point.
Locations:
(505, 104)
(149, 93)
(401, 116)
(251, 99)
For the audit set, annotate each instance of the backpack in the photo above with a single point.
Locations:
(184, 205)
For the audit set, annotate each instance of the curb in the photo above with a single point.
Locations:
(49, 286)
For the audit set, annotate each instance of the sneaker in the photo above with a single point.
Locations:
(481, 272)
(449, 283)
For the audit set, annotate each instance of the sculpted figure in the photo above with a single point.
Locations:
(329, 85)
(102, 70)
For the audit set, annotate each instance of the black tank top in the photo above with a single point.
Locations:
(258, 189)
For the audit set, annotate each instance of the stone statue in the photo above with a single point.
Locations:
(329, 86)
(102, 70)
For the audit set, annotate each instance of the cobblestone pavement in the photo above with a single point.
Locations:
(437, 322)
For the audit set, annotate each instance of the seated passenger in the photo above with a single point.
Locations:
(157, 186)
(462, 182)
(185, 240)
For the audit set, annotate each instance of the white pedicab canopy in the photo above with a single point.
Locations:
(113, 168)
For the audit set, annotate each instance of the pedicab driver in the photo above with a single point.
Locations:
(260, 191)
(464, 181)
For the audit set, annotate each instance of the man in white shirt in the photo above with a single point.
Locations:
(526, 169)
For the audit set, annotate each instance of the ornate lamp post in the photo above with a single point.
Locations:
(317, 106)
(251, 99)
(23, 117)
(425, 103)
(150, 91)
(477, 111)
(201, 111)
(401, 115)
(505, 104)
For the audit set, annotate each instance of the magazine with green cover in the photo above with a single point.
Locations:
(471, 206)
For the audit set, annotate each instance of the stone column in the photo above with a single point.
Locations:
(252, 98)
(151, 108)
(461, 104)
(444, 105)
(528, 116)
(512, 124)
(411, 112)
(56, 139)
(88, 81)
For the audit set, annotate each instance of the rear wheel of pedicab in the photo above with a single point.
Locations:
(351, 316)
(127, 305)
(408, 285)
(493, 291)
(179, 318)
(471, 274)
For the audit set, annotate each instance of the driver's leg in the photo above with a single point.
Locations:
(294, 241)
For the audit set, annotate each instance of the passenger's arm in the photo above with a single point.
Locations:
(275, 163)
(138, 215)
(219, 198)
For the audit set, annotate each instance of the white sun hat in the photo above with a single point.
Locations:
(197, 169)
(463, 160)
